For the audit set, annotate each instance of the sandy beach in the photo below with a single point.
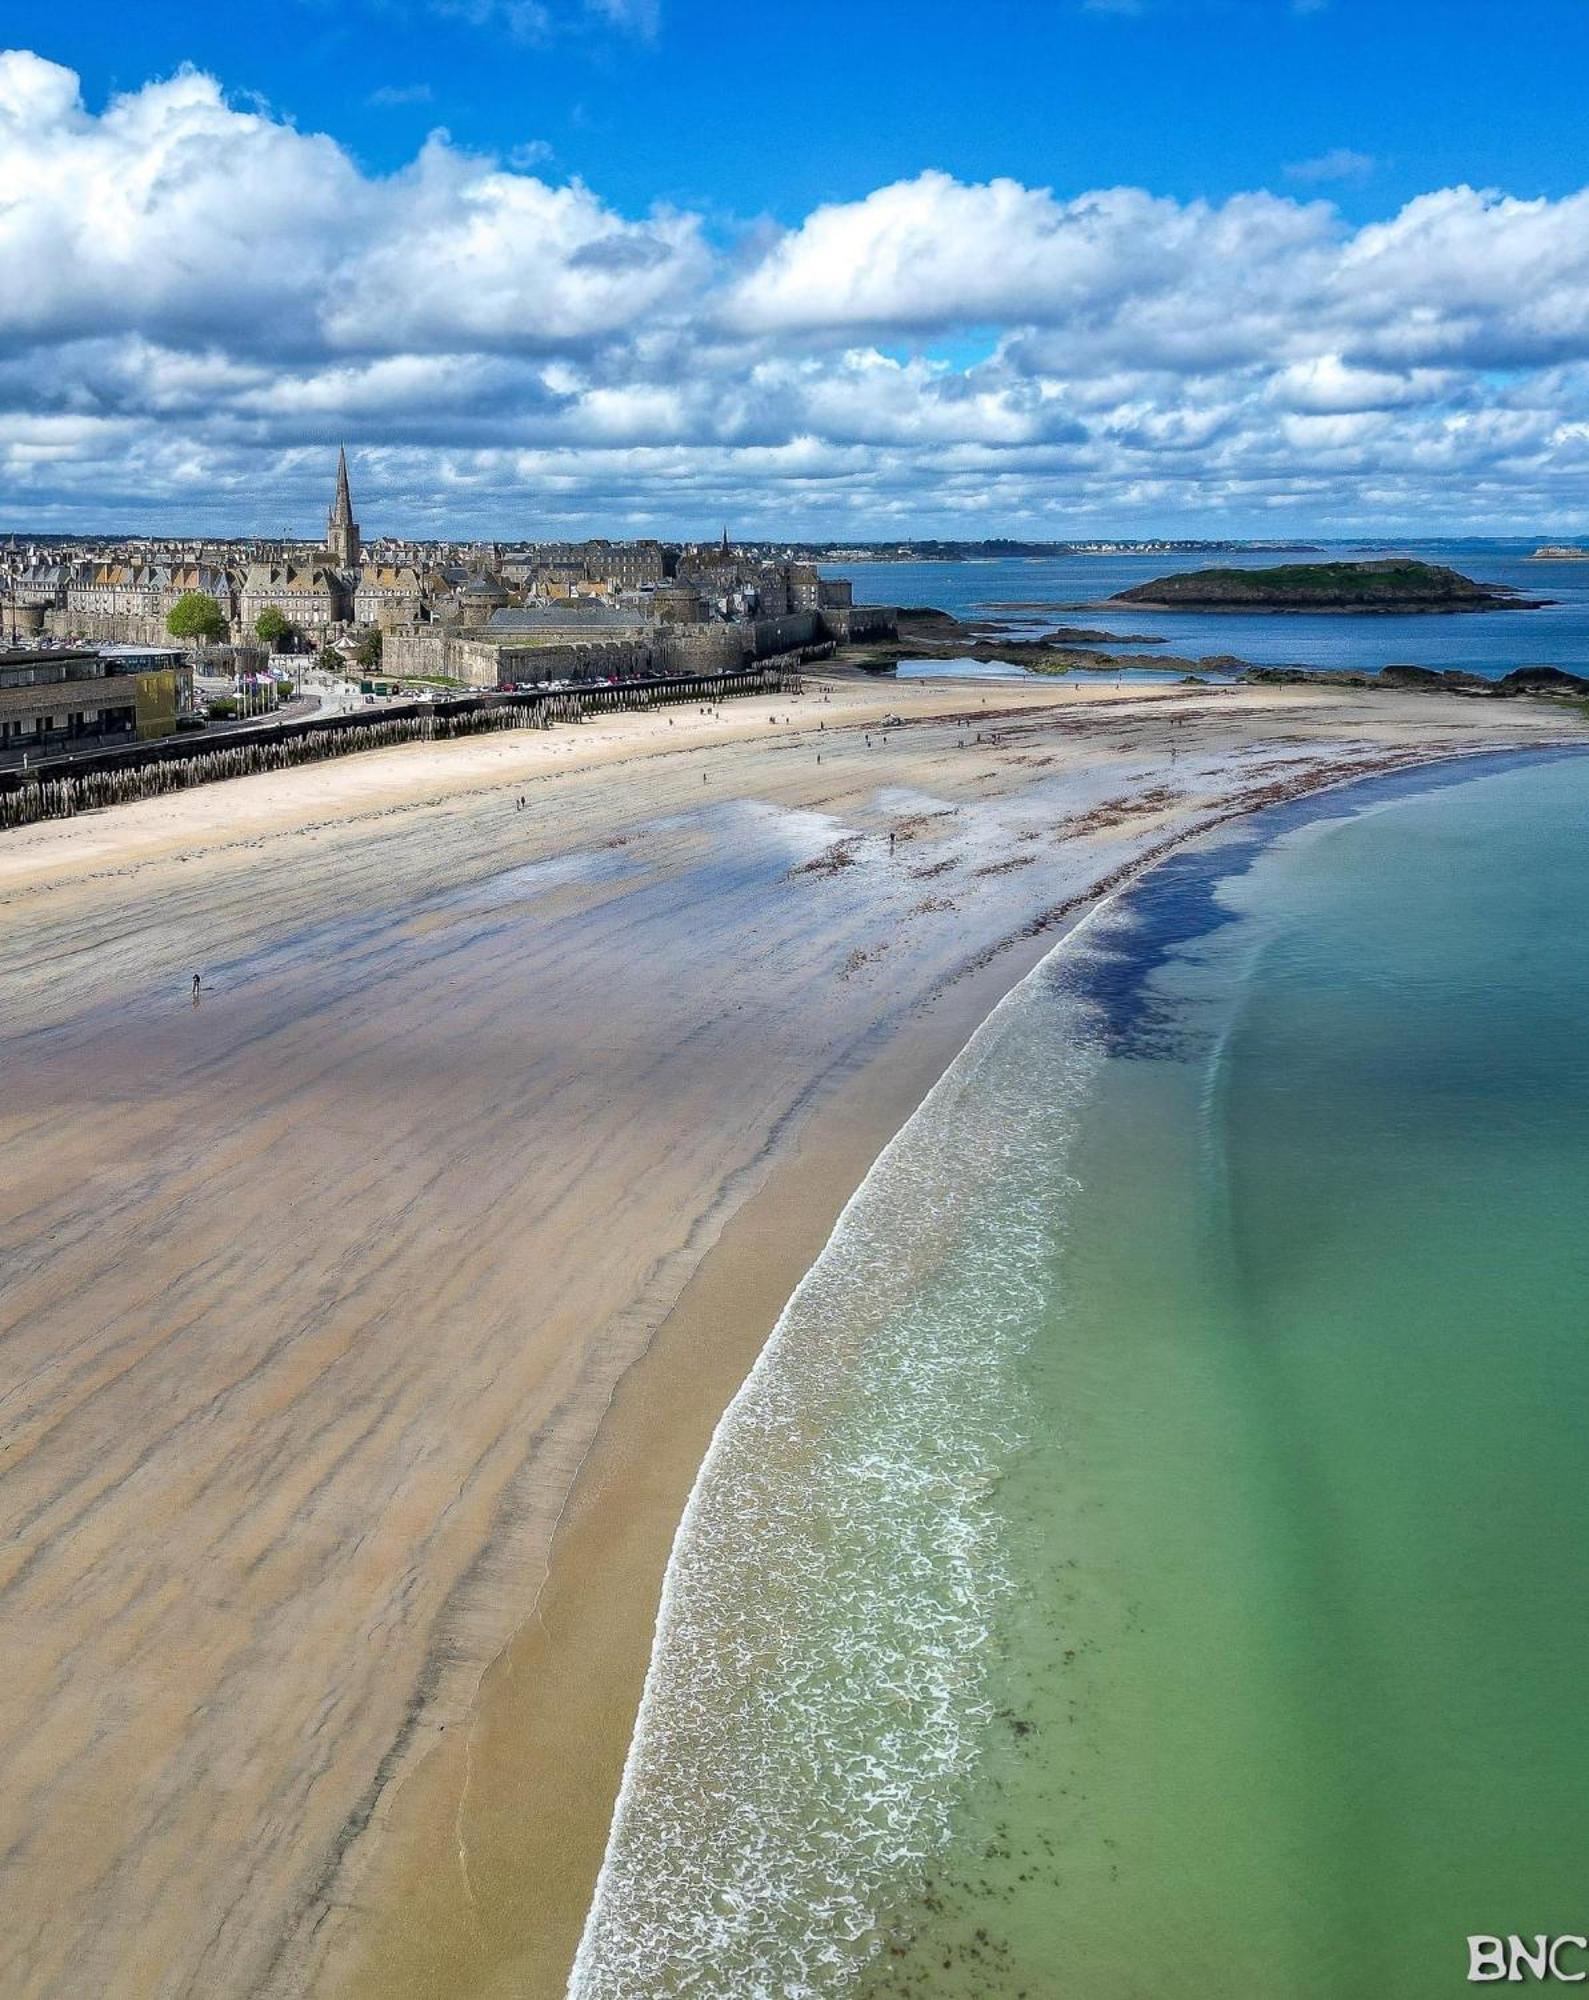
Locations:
(366, 1321)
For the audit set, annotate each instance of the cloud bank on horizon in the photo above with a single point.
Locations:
(203, 298)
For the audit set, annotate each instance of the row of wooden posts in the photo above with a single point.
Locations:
(28, 797)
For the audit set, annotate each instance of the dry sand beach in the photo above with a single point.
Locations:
(365, 1322)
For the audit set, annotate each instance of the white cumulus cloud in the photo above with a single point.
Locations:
(213, 296)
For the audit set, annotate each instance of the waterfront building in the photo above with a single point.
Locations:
(811, 591)
(62, 699)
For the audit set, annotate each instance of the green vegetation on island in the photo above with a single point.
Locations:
(1394, 584)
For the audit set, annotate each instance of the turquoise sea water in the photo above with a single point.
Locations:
(1148, 1558)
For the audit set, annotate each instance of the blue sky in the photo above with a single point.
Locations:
(1186, 97)
(831, 269)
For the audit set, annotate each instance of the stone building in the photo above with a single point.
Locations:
(311, 594)
(570, 569)
(211, 579)
(130, 601)
(625, 565)
(810, 591)
(390, 594)
(36, 589)
(315, 592)
(128, 589)
(571, 617)
(678, 604)
(479, 596)
(718, 580)
(342, 531)
(763, 589)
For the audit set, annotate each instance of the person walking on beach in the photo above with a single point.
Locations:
(195, 986)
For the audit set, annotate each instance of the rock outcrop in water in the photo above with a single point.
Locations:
(1388, 586)
(927, 633)
(1451, 680)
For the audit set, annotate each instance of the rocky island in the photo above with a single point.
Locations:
(1391, 585)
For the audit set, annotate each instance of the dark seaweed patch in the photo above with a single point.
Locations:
(1176, 903)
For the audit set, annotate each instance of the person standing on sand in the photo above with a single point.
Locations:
(195, 986)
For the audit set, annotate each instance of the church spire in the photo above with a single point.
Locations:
(342, 531)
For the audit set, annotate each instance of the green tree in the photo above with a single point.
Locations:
(369, 655)
(275, 628)
(330, 660)
(196, 615)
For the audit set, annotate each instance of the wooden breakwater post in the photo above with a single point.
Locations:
(55, 793)
(63, 787)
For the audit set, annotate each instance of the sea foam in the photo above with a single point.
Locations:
(819, 1679)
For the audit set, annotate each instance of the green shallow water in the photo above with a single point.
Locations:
(1150, 1559)
(1293, 1685)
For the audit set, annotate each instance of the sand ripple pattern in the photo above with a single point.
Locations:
(817, 1690)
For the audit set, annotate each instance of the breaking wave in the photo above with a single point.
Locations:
(818, 1685)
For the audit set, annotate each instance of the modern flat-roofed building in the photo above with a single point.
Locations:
(78, 699)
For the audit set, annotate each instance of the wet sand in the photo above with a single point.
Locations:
(366, 1323)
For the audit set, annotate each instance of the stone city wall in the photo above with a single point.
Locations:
(850, 622)
(483, 659)
(431, 652)
(786, 634)
(627, 658)
(703, 649)
(109, 628)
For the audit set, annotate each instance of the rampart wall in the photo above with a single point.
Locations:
(481, 658)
